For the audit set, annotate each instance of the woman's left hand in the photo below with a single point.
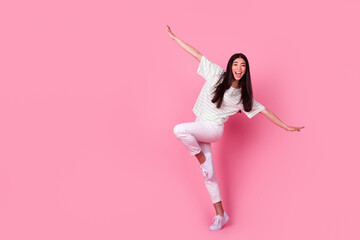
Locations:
(289, 128)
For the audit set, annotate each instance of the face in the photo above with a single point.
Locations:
(238, 68)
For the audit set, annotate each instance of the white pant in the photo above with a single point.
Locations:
(197, 136)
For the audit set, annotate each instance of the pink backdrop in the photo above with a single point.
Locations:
(90, 92)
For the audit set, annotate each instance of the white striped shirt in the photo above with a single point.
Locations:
(206, 110)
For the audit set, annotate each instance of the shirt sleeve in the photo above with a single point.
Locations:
(208, 70)
(257, 107)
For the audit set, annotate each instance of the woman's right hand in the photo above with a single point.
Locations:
(193, 51)
(170, 32)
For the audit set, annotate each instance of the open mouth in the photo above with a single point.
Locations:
(237, 74)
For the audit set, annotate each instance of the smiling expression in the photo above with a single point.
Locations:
(238, 68)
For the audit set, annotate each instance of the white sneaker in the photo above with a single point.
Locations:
(219, 221)
(207, 167)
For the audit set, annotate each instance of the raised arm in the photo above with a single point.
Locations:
(193, 51)
(278, 122)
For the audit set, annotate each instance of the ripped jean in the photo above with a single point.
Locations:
(197, 136)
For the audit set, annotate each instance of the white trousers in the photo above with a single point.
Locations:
(197, 136)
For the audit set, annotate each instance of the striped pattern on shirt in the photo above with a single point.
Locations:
(206, 110)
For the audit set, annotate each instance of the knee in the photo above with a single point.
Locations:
(179, 131)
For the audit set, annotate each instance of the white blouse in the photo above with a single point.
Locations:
(206, 110)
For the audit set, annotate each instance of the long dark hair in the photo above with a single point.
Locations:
(227, 78)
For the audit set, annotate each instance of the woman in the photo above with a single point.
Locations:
(223, 94)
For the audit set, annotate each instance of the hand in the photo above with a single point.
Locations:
(170, 32)
(289, 128)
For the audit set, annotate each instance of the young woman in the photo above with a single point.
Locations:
(223, 94)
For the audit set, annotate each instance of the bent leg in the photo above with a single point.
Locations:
(191, 133)
(197, 136)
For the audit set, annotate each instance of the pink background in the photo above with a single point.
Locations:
(90, 92)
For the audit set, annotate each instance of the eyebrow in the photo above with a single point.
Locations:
(237, 62)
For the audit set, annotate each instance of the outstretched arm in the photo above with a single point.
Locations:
(193, 51)
(278, 122)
